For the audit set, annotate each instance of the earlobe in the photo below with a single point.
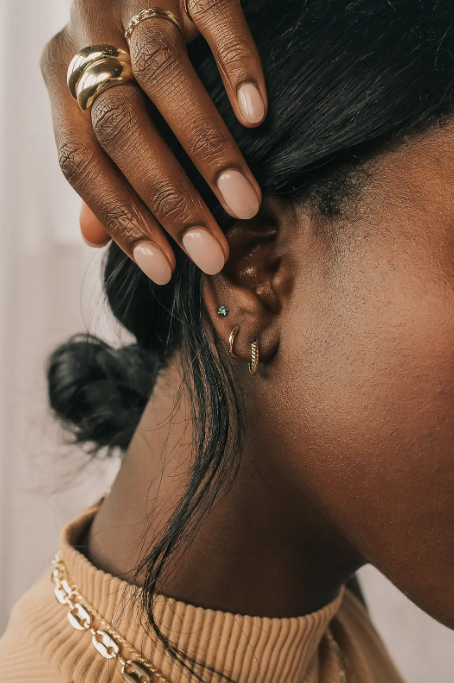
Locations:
(255, 350)
(244, 301)
(247, 319)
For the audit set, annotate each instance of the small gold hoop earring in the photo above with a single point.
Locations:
(255, 358)
(232, 338)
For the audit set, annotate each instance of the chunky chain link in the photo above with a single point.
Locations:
(106, 640)
(337, 651)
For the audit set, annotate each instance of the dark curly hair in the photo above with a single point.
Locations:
(345, 79)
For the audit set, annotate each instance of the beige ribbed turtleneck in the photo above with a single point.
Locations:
(41, 646)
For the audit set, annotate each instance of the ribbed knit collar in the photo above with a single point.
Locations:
(246, 648)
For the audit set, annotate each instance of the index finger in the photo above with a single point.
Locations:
(224, 27)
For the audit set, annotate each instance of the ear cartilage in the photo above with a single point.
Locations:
(223, 312)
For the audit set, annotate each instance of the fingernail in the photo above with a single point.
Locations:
(152, 261)
(238, 194)
(251, 103)
(205, 250)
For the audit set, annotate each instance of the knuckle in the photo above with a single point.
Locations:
(121, 223)
(155, 57)
(53, 54)
(168, 204)
(235, 53)
(199, 8)
(75, 161)
(113, 118)
(207, 142)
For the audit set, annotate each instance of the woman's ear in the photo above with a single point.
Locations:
(250, 290)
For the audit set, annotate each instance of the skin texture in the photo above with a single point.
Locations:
(133, 188)
(348, 455)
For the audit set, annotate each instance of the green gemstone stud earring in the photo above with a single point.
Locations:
(223, 311)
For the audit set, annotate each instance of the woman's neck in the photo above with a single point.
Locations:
(257, 553)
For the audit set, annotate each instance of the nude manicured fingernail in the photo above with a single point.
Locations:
(152, 261)
(238, 194)
(205, 250)
(250, 103)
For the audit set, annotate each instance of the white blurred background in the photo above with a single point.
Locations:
(49, 289)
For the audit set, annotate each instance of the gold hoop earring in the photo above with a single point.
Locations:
(255, 358)
(232, 338)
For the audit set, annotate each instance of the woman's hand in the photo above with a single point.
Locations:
(131, 183)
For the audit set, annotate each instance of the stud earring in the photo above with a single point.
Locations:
(232, 338)
(223, 311)
(255, 358)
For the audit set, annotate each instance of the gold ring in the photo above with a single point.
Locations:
(186, 8)
(95, 69)
(152, 13)
(232, 338)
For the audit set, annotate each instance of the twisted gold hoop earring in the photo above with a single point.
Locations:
(255, 358)
(232, 338)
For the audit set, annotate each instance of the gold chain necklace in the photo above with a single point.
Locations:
(107, 641)
(337, 651)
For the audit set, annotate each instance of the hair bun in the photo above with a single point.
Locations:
(100, 392)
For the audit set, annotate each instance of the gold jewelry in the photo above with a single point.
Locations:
(186, 8)
(223, 311)
(95, 69)
(337, 651)
(232, 338)
(255, 358)
(152, 13)
(106, 640)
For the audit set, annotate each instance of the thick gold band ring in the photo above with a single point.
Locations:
(95, 69)
(152, 13)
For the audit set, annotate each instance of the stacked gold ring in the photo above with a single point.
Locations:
(95, 69)
(152, 13)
